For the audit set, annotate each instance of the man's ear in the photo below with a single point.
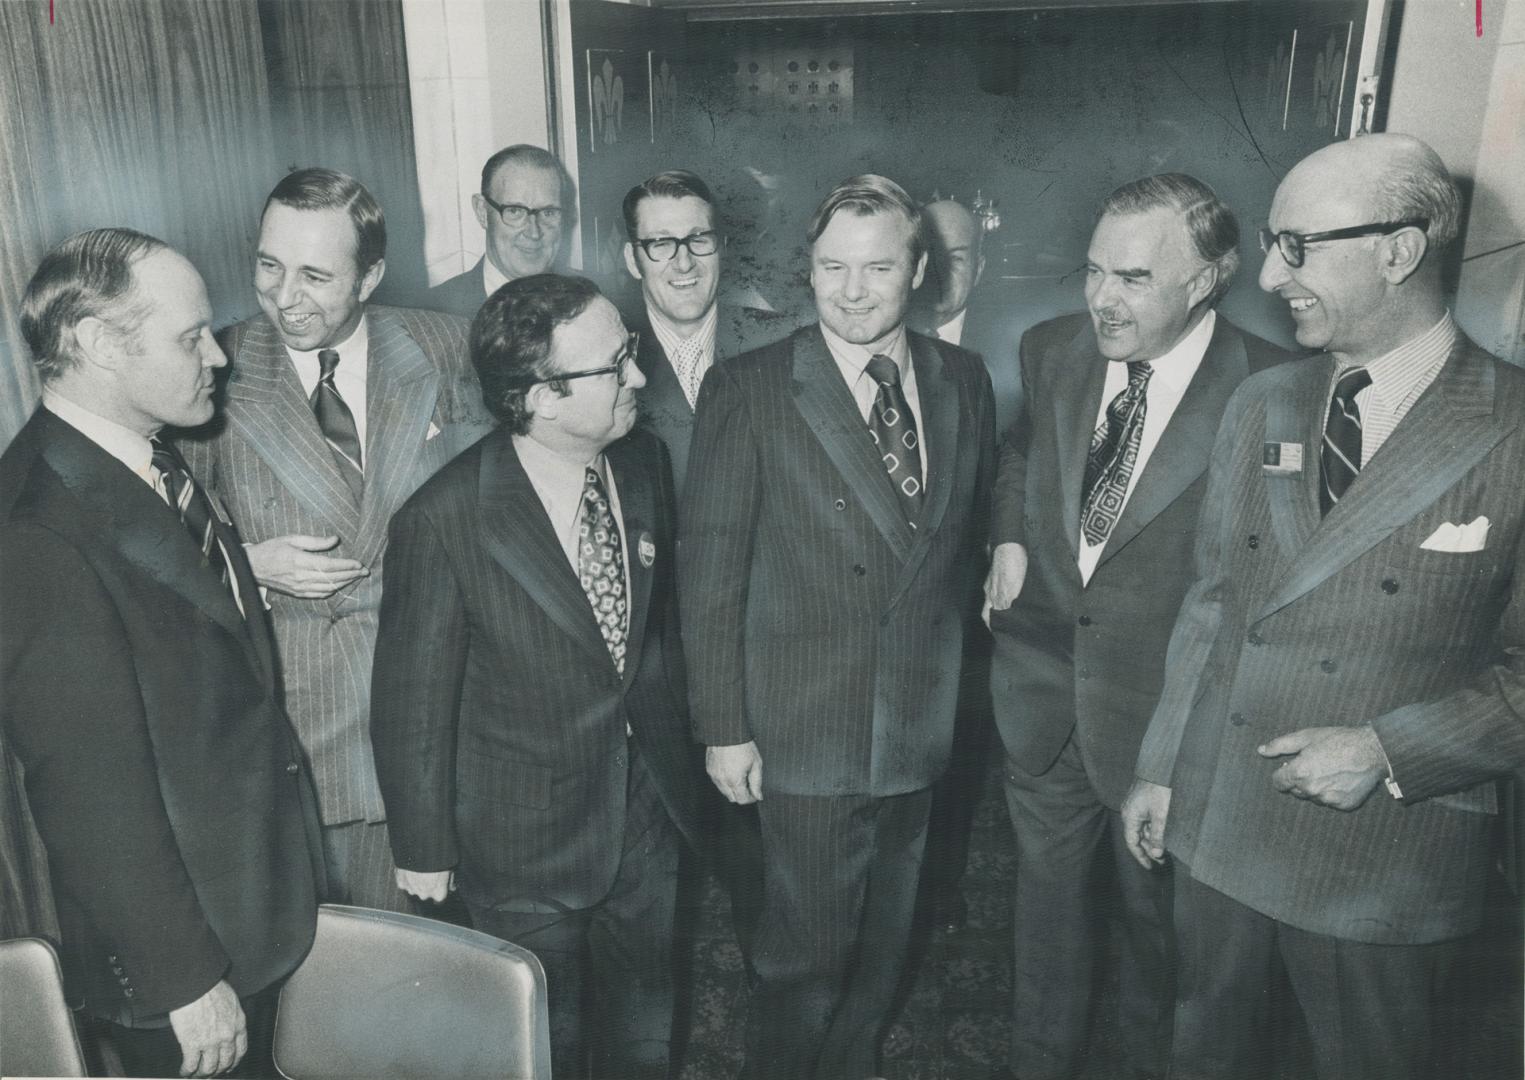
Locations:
(543, 401)
(630, 261)
(480, 208)
(921, 271)
(99, 342)
(1402, 253)
(371, 278)
(1201, 285)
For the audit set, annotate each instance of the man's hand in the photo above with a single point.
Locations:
(1145, 811)
(295, 566)
(426, 884)
(211, 1032)
(736, 770)
(1335, 766)
(1008, 570)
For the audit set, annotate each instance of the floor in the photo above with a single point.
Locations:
(954, 1022)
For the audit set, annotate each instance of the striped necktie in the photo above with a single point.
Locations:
(188, 500)
(337, 422)
(1340, 455)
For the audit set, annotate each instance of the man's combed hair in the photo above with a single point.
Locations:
(1423, 190)
(1213, 229)
(329, 189)
(864, 196)
(89, 275)
(672, 184)
(511, 339)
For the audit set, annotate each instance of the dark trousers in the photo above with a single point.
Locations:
(156, 1051)
(958, 792)
(735, 835)
(840, 877)
(358, 858)
(1370, 1009)
(609, 969)
(1067, 839)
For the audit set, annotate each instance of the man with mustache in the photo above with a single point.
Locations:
(1100, 481)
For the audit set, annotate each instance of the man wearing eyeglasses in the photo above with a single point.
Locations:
(530, 722)
(674, 251)
(526, 203)
(1347, 675)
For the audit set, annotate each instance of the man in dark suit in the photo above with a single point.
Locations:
(674, 251)
(824, 588)
(530, 724)
(1347, 675)
(1100, 482)
(140, 688)
(526, 204)
(336, 410)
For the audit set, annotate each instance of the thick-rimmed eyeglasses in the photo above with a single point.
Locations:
(1293, 246)
(619, 369)
(663, 248)
(513, 214)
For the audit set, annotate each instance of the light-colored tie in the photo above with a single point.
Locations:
(685, 362)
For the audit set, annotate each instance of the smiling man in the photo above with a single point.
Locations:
(831, 543)
(530, 724)
(526, 204)
(1347, 674)
(1100, 482)
(336, 409)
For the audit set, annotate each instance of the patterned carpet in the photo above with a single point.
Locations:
(954, 1022)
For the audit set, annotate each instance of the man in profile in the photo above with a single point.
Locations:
(526, 202)
(140, 679)
(832, 538)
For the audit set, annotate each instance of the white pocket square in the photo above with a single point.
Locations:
(432, 432)
(1458, 539)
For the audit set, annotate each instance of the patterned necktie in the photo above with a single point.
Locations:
(601, 567)
(1113, 456)
(894, 430)
(189, 501)
(685, 363)
(337, 422)
(1340, 456)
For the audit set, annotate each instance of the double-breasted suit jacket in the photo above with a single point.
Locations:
(1089, 658)
(817, 620)
(1298, 621)
(502, 746)
(664, 408)
(266, 457)
(161, 770)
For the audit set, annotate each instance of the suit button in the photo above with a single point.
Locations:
(840, 504)
(112, 959)
(860, 569)
(1327, 665)
(127, 991)
(333, 620)
(1255, 639)
(1238, 719)
(1084, 673)
(1390, 585)
(1084, 620)
(1253, 541)
(293, 768)
(125, 981)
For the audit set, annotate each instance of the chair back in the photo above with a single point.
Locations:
(37, 1035)
(386, 994)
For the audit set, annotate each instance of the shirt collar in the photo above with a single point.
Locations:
(540, 460)
(855, 358)
(493, 279)
(1179, 363)
(353, 351)
(669, 335)
(122, 443)
(1394, 373)
(953, 330)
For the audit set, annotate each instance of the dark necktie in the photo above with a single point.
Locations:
(601, 567)
(337, 422)
(1340, 456)
(1114, 455)
(894, 430)
(187, 499)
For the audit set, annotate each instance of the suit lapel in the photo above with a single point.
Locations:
(939, 400)
(829, 409)
(638, 513)
(1449, 430)
(267, 408)
(1074, 422)
(661, 400)
(518, 535)
(1186, 444)
(401, 388)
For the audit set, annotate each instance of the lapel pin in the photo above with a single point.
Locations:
(1282, 458)
(646, 547)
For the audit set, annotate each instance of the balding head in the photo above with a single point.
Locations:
(956, 261)
(1393, 177)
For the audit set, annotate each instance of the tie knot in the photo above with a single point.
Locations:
(1352, 383)
(883, 370)
(1139, 372)
(328, 359)
(165, 456)
(592, 483)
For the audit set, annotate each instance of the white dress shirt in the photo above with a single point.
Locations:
(952, 331)
(1172, 374)
(349, 377)
(852, 361)
(559, 482)
(493, 279)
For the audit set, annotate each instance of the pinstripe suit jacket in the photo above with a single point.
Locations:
(1089, 658)
(266, 457)
(1297, 621)
(816, 620)
(500, 718)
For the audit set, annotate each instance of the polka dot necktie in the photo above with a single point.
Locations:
(894, 430)
(1113, 456)
(601, 567)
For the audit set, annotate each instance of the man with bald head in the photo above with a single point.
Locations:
(1346, 677)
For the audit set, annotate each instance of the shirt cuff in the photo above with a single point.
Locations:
(1390, 781)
